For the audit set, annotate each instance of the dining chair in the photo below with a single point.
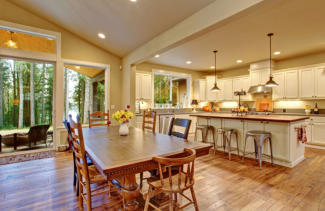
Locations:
(174, 185)
(149, 121)
(98, 118)
(179, 128)
(89, 162)
(87, 175)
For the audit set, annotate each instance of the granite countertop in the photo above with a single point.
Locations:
(269, 118)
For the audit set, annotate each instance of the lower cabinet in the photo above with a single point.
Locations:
(316, 131)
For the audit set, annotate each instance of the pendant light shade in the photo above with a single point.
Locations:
(215, 88)
(10, 43)
(271, 82)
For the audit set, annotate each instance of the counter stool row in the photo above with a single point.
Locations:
(259, 137)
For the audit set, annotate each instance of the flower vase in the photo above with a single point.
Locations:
(124, 129)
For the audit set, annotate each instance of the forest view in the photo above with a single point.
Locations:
(26, 93)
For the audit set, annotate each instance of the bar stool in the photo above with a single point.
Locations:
(227, 134)
(259, 138)
(205, 129)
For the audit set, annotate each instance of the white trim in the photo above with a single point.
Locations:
(17, 53)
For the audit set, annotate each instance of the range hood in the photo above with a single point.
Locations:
(259, 89)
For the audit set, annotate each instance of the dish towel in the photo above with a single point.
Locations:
(301, 134)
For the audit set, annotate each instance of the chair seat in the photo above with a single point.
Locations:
(95, 176)
(156, 183)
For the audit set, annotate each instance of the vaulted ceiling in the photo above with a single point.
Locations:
(298, 26)
(127, 25)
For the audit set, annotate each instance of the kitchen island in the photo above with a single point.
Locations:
(287, 150)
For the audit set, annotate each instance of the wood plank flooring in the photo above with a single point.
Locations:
(220, 184)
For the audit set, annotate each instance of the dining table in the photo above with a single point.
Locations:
(122, 157)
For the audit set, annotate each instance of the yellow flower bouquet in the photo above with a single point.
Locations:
(123, 116)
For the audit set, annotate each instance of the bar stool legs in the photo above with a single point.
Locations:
(259, 138)
(228, 133)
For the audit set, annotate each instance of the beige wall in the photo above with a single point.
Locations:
(73, 47)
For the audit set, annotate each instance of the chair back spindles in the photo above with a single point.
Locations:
(184, 175)
(98, 118)
(149, 121)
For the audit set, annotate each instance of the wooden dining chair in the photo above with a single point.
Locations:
(98, 118)
(149, 121)
(174, 185)
(179, 128)
(87, 175)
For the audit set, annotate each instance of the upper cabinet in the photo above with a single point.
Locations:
(241, 83)
(210, 96)
(312, 83)
(143, 84)
(199, 90)
(288, 85)
(227, 89)
(259, 77)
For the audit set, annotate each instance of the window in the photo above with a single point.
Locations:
(26, 94)
(171, 90)
(84, 91)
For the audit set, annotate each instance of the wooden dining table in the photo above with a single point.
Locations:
(122, 157)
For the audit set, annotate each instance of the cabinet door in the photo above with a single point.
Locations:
(320, 82)
(236, 85)
(212, 96)
(245, 87)
(146, 86)
(264, 76)
(278, 91)
(254, 78)
(138, 86)
(228, 91)
(221, 93)
(318, 131)
(291, 84)
(306, 83)
(202, 91)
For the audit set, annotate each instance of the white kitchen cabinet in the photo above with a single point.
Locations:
(318, 133)
(320, 82)
(143, 86)
(227, 89)
(278, 91)
(291, 84)
(199, 90)
(306, 83)
(241, 83)
(221, 93)
(259, 77)
(210, 96)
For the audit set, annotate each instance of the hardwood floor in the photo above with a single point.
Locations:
(220, 184)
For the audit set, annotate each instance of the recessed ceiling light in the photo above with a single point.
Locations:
(78, 67)
(188, 62)
(276, 52)
(133, 0)
(239, 61)
(212, 67)
(157, 56)
(101, 35)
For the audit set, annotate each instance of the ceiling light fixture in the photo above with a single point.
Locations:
(157, 56)
(215, 88)
(11, 43)
(239, 61)
(133, 0)
(277, 53)
(101, 35)
(188, 62)
(78, 67)
(270, 82)
(212, 67)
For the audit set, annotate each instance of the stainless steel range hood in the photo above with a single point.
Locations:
(259, 89)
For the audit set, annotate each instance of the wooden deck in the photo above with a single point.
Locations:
(220, 184)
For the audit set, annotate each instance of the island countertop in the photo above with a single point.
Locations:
(269, 118)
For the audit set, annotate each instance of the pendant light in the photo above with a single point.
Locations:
(215, 88)
(271, 82)
(10, 43)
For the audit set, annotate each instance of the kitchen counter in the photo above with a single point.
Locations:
(268, 118)
(287, 150)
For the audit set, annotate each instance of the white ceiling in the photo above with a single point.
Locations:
(127, 25)
(299, 28)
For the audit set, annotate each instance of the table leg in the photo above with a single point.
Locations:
(130, 192)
